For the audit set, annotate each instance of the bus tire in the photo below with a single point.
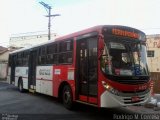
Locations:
(67, 97)
(20, 85)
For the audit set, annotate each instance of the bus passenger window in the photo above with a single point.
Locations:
(62, 58)
(55, 58)
(69, 57)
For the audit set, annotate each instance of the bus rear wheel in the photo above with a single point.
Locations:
(67, 97)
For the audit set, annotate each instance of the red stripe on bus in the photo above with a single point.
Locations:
(22, 77)
(83, 98)
(38, 78)
(93, 100)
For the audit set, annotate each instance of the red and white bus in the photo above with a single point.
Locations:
(104, 66)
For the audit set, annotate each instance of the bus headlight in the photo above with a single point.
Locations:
(110, 88)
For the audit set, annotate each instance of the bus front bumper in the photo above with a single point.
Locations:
(110, 100)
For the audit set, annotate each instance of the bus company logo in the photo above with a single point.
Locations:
(44, 72)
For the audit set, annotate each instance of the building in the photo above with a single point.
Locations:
(3, 56)
(4, 53)
(3, 62)
(29, 39)
(153, 57)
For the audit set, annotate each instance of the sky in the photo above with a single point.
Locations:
(26, 16)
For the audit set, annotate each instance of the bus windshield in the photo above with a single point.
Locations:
(124, 59)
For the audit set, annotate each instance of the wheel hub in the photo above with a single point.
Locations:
(67, 96)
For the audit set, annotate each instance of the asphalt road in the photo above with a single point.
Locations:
(28, 106)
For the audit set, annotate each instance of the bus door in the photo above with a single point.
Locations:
(32, 69)
(86, 76)
(13, 65)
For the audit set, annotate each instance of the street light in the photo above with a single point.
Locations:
(53, 15)
(45, 5)
(49, 17)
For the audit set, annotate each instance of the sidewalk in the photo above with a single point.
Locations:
(157, 96)
(154, 104)
(149, 108)
(3, 81)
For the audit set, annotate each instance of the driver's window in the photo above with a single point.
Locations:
(105, 62)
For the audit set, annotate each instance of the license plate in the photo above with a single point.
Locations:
(135, 99)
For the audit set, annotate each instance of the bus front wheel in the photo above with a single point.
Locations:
(67, 97)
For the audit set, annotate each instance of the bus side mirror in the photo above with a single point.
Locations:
(101, 45)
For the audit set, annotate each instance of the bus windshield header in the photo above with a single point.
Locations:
(123, 31)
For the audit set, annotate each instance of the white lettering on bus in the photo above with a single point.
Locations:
(44, 72)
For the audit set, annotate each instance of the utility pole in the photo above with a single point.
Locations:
(48, 9)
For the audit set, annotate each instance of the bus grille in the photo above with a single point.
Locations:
(133, 82)
(127, 97)
(129, 79)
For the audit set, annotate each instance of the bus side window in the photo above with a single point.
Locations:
(66, 51)
(69, 57)
(42, 55)
(19, 59)
(55, 60)
(55, 55)
(9, 60)
(15, 59)
(25, 58)
(62, 58)
(51, 54)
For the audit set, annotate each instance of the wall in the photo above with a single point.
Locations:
(4, 56)
(29, 40)
(153, 43)
(3, 70)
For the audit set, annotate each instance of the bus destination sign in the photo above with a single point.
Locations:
(125, 33)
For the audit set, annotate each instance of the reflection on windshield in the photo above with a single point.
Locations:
(124, 59)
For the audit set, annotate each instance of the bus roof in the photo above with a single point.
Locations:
(88, 30)
(95, 28)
